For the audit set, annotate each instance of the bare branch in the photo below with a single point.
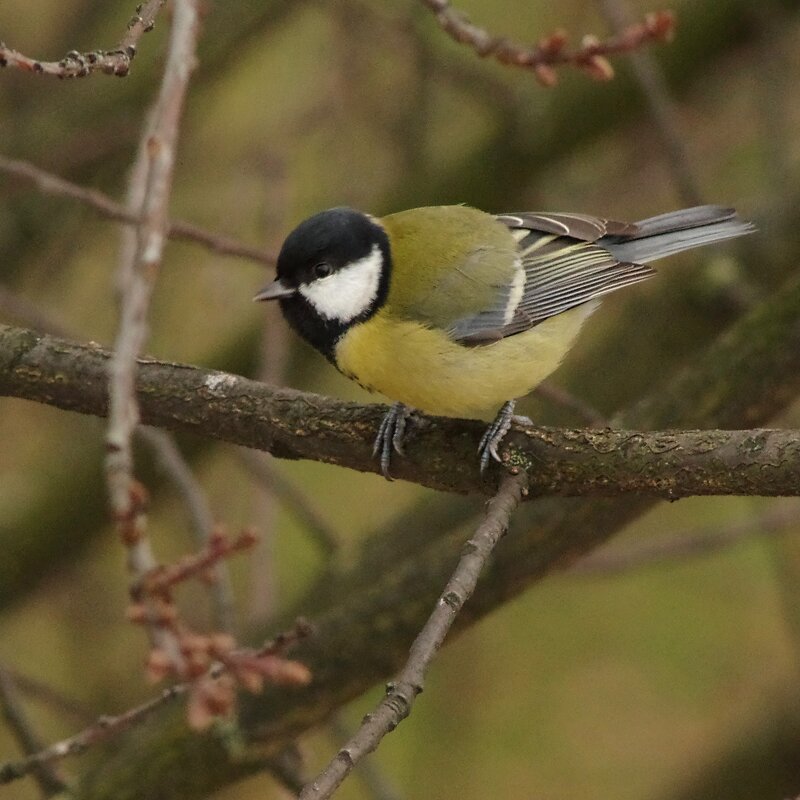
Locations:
(163, 579)
(166, 455)
(101, 730)
(80, 65)
(403, 690)
(561, 397)
(152, 182)
(552, 51)
(373, 779)
(651, 81)
(273, 355)
(176, 229)
(29, 314)
(48, 778)
(46, 694)
(253, 667)
(170, 459)
(440, 452)
(314, 523)
(686, 544)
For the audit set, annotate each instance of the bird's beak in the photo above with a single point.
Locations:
(274, 291)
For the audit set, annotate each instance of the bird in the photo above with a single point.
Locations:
(454, 311)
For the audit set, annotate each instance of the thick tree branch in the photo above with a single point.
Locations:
(168, 459)
(440, 453)
(509, 590)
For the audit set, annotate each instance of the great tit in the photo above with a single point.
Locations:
(455, 311)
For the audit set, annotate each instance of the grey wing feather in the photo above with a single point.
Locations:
(577, 226)
(561, 273)
(570, 259)
(675, 232)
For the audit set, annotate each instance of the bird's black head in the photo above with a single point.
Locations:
(333, 272)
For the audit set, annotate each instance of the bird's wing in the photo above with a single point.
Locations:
(562, 266)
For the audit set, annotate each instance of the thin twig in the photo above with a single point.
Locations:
(48, 778)
(561, 397)
(651, 81)
(772, 113)
(79, 65)
(375, 782)
(176, 229)
(266, 663)
(295, 500)
(23, 310)
(685, 545)
(164, 578)
(403, 690)
(152, 183)
(169, 457)
(46, 694)
(263, 590)
(101, 730)
(287, 767)
(552, 50)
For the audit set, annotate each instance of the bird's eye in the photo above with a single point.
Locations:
(322, 270)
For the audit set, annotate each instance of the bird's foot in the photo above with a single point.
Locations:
(496, 432)
(390, 436)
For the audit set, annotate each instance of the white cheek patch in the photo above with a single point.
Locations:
(350, 291)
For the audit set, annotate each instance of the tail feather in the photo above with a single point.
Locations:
(675, 232)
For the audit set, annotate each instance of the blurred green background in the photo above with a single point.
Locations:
(675, 680)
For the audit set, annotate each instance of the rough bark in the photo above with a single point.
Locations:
(440, 454)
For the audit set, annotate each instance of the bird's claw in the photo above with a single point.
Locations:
(392, 429)
(495, 433)
(390, 436)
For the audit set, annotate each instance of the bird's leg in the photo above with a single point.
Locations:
(496, 432)
(390, 436)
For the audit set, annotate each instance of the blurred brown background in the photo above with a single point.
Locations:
(674, 680)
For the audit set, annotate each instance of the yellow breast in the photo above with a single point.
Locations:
(423, 368)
